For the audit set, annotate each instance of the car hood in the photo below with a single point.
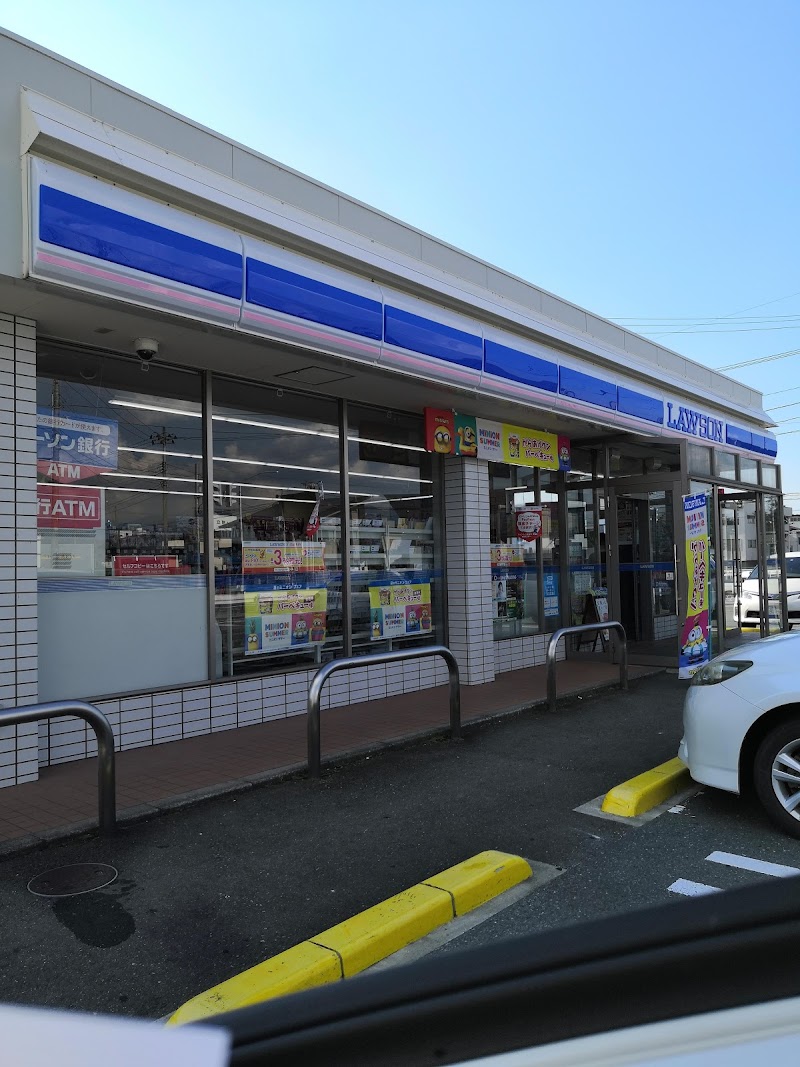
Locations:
(775, 649)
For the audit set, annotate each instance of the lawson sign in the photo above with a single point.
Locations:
(687, 420)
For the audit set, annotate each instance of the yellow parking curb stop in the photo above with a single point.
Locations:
(364, 939)
(647, 790)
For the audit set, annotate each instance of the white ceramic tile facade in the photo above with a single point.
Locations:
(19, 745)
(469, 577)
(518, 652)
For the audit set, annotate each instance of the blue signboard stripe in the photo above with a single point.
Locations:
(505, 362)
(585, 387)
(641, 406)
(295, 294)
(104, 233)
(93, 230)
(419, 334)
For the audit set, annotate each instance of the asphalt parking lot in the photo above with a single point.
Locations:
(208, 891)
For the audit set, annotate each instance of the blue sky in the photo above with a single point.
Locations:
(639, 158)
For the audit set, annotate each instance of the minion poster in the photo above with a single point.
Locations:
(399, 609)
(694, 651)
(284, 618)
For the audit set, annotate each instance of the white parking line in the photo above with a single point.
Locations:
(692, 889)
(730, 859)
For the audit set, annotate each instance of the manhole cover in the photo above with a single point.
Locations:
(72, 880)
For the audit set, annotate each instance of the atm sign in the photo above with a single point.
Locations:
(65, 507)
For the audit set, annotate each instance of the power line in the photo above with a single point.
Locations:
(779, 407)
(760, 359)
(733, 314)
(737, 329)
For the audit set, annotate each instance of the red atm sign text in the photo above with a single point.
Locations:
(64, 507)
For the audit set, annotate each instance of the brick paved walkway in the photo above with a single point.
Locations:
(178, 772)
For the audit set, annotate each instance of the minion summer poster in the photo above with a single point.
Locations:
(284, 618)
(694, 651)
(398, 609)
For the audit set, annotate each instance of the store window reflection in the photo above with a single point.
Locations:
(122, 587)
(525, 554)
(277, 521)
(395, 522)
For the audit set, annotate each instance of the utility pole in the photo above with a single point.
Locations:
(163, 438)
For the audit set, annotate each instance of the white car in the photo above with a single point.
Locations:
(750, 608)
(741, 722)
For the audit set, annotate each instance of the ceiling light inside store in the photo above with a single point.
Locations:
(263, 425)
(275, 466)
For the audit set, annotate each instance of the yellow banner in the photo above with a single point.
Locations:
(530, 448)
(697, 572)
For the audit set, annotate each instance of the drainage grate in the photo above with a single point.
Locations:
(72, 880)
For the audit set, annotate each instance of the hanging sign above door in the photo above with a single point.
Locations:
(452, 434)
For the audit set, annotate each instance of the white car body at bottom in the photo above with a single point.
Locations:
(717, 717)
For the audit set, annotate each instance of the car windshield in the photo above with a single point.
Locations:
(773, 570)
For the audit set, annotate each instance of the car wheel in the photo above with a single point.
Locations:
(776, 776)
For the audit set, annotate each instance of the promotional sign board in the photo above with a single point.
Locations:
(694, 649)
(139, 566)
(71, 448)
(506, 555)
(528, 523)
(282, 557)
(550, 589)
(63, 507)
(398, 609)
(284, 618)
(452, 434)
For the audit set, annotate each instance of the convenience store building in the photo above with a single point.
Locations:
(249, 424)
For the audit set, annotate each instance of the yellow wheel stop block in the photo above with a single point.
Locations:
(481, 878)
(302, 967)
(366, 938)
(647, 790)
(376, 933)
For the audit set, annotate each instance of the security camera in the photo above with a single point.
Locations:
(146, 348)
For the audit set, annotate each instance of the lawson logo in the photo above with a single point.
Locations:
(689, 421)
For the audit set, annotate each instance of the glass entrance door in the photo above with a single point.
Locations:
(644, 568)
(752, 578)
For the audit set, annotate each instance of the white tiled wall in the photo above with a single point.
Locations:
(18, 639)
(469, 576)
(519, 652)
(153, 718)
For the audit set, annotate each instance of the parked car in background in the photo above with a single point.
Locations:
(741, 721)
(751, 606)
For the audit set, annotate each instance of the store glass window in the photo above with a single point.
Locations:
(586, 527)
(122, 582)
(726, 465)
(524, 550)
(769, 475)
(550, 550)
(748, 470)
(277, 524)
(699, 459)
(395, 532)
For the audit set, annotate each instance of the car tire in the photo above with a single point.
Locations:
(780, 798)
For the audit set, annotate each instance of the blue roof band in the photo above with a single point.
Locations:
(584, 387)
(306, 298)
(738, 437)
(418, 334)
(103, 233)
(641, 406)
(518, 366)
